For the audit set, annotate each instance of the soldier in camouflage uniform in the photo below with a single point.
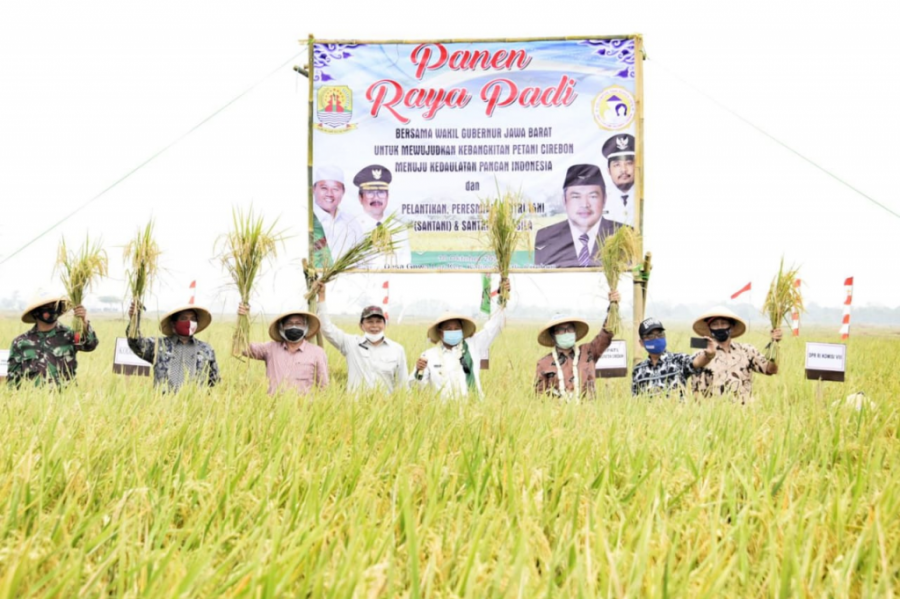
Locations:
(179, 358)
(46, 353)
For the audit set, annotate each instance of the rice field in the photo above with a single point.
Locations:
(109, 489)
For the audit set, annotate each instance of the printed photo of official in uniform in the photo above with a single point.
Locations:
(620, 201)
(574, 242)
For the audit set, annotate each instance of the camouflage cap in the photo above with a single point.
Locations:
(372, 311)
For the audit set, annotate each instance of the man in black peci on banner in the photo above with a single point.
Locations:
(573, 243)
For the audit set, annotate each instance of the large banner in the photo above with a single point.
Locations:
(429, 131)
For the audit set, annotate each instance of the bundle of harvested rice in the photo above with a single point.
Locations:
(79, 270)
(249, 244)
(142, 257)
(617, 255)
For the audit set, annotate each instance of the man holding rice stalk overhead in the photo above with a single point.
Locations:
(731, 371)
(663, 372)
(373, 360)
(453, 365)
(178, 357)
(292, 361)
(569, 371)
(47, 352)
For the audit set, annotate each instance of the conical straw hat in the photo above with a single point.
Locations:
(545, 337)
(27, 318)
(468, 326)
(311, 319)
(204, 318)
(701, 325)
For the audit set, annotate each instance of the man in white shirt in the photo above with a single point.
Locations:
(373, 182)
(452, 367)
(334, 231)
(619, 153)
(373, 360)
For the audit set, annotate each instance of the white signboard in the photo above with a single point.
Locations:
(826, 356)
(4, 363)
(614, 361)
(126, 362)
(826, 361)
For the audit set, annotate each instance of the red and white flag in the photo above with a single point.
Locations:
(795, 316)
(845, 324)
(387, 291)
(743, 289)
(193, 289)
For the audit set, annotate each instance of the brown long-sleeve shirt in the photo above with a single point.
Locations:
(545, 380)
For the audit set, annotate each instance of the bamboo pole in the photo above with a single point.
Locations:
(313, 303)
(638, 287)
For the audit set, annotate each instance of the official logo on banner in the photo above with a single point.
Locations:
(614, 108)
(334, 109)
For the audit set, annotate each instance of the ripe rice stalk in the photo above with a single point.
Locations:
(380, 241)
(782, 298)
(79, 270)
(142, 257)
(244, 251)
(617, 255)
(503, 216)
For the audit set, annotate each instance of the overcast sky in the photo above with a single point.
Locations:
(90, 91)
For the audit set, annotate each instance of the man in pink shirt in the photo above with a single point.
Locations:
(292, 362)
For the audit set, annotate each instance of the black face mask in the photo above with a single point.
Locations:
(294, 334)
(721, 335)
(52, 315)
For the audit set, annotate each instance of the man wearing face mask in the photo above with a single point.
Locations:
(178, 357)
(730, 372)
(47, 352)
(569, 372)
(373, 360)
(292, 362)
(663, 372)
(452, 367)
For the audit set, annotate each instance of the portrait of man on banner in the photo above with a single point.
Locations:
(334, 230)
(373, 182)
(574, 242)
(620, 201)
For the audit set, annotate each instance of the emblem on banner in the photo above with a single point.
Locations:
(334, 109)
(614, 108)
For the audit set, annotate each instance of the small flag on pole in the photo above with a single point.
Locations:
(845, 324)
(193, 289)
(486, 294)
(743, 289)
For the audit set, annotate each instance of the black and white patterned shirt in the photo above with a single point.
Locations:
(671, 372)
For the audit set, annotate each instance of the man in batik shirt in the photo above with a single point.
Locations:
(663, 372)
(569, 370)
(730, 373)
(47, 352)
(179, 357)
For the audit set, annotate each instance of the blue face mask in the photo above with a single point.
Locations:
(655, 346)
(453, 337)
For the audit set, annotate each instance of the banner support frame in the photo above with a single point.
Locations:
(638, 289)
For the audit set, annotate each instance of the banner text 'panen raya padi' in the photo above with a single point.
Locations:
(428, 131)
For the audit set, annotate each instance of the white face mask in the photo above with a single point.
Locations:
(374, 337)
